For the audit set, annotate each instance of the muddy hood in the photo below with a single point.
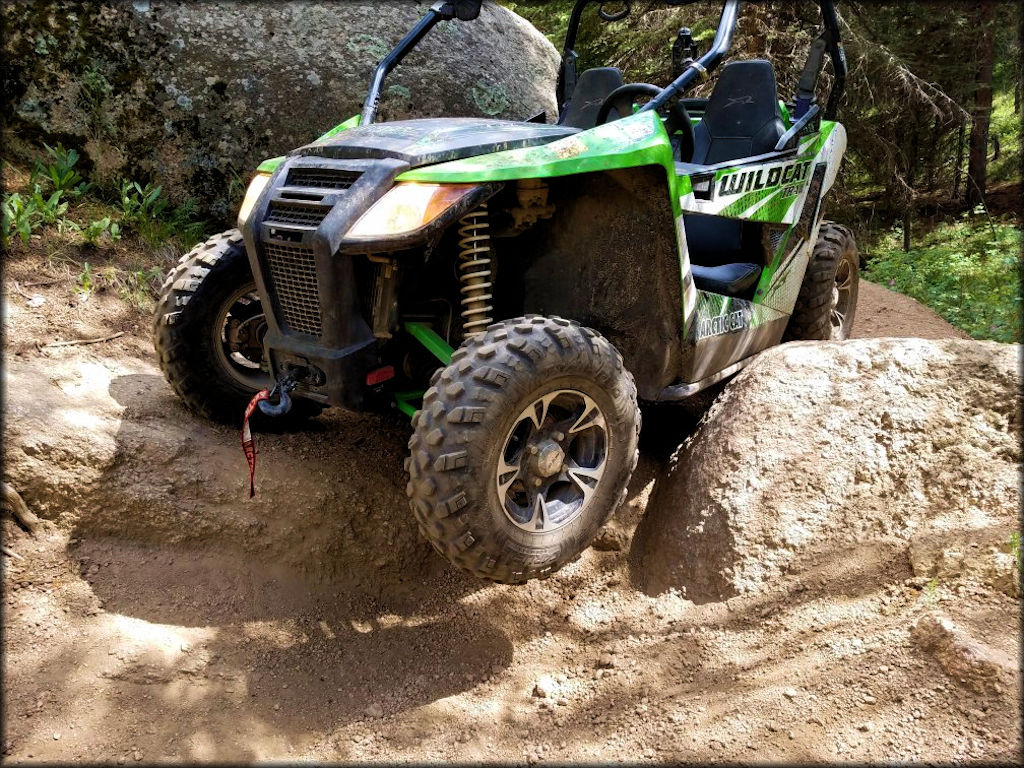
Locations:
(435, 140)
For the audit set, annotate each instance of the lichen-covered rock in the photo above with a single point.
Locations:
(194, 94)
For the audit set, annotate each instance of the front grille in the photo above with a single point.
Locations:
(321, 178)
(291, 213)
(293, 276)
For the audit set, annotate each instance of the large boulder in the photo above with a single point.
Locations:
(194, 94)
(820, 456)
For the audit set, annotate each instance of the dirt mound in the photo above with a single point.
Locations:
(160, 616)
(105, 448)
(818, 451)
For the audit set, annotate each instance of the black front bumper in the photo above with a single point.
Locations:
(315, 317)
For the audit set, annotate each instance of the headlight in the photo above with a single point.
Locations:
(408, 206)
(256, 187)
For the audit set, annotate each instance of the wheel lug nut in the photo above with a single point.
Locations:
(538, 482)
(558, 437)
(565, 467)
(532, 450)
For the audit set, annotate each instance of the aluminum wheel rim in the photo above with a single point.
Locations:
(241, 313)
(841, 292)
(552, 461)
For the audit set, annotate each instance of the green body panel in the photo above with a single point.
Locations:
(769, 191)
(269, 166)
(776, 202)
(812, 147)
(634, 141)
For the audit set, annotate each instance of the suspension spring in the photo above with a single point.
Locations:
(476, 271)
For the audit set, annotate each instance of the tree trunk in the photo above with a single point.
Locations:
(977, 163)
(958, 171)
(1020, 77)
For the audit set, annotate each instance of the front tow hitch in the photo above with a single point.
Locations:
(283, 390)
(284, 386)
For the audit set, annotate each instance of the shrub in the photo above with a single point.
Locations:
(51, 209)
(21, 216)
(93, 232)
(59, 171)
(967, 271)
(145, 210)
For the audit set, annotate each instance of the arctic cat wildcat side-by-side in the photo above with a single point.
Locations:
(518, 287)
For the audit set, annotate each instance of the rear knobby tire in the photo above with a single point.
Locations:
(472, 414)
(192, 303)
(827, 302)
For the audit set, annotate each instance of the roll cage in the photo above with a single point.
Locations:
(828, 41)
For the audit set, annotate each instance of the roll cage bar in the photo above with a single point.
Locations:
(829, 40)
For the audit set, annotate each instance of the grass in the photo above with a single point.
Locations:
(53, 210)
(1005, 128)
(967, 270)
(56, 195)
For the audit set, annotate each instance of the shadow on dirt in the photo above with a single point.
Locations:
(318, 599)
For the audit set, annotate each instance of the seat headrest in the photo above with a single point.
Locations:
(592, 88)
(600, 78)
(745, 98)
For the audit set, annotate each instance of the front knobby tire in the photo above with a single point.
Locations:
(523, 448)
(827, 303)
(208, 334)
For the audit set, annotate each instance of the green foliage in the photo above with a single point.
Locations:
(59, 171)
(51, 209)
(94, 231)
(1015, 548)
(139, 287)
(85, 283)
(967, 271)
(20, 216)
(1005, 128)
(146, 211)
(140, 204)
(184, 225)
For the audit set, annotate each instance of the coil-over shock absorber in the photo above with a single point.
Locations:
(476, 271)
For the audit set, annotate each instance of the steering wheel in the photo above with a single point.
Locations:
(677, 118)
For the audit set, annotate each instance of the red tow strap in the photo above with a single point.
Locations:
(248, 441)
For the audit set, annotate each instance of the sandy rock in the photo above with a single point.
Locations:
(545, 688)
(835, 456)
(931, 558)
(965, 659)
(606, 661)
(609, 539)
(1001, 572)
(195, 93)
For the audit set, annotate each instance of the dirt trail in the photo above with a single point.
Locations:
(161, 616)
(885, 313)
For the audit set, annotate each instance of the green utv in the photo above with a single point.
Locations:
(518, 287)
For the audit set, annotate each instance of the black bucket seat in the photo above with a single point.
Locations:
(742, 119)
(592, 88)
